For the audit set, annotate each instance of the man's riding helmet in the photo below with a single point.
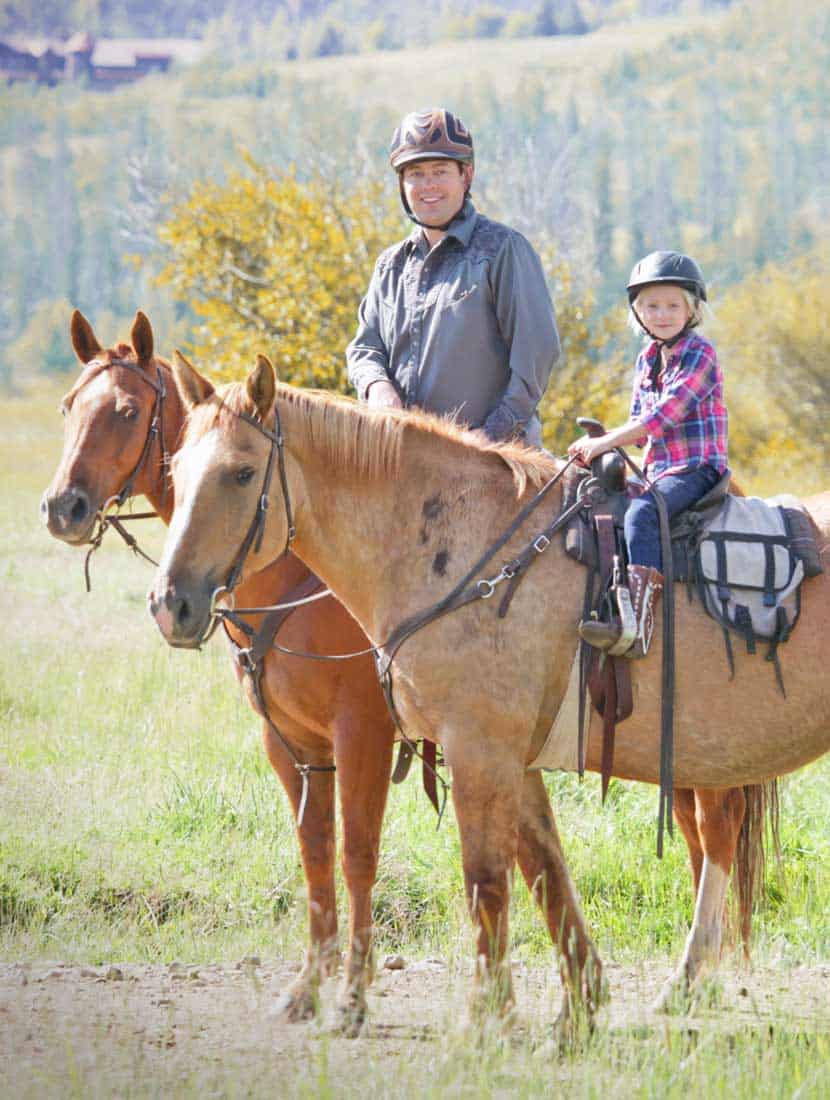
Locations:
(667, 267)
(434, 134)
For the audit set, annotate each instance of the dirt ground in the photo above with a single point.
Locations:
(158, 1029)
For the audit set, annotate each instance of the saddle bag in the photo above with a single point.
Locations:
(749, 570)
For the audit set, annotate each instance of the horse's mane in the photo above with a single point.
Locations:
(369, 441)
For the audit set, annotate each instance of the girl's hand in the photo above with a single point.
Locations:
(585, 449)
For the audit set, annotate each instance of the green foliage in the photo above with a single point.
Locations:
(593, 376)
(276, 264)
(43, 345)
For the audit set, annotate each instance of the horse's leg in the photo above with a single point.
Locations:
(364, 762)
(719, 815)
(683, 802)
(486, 790)
(546, 874)
(317, 850)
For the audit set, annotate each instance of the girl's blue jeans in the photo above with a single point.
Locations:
(642, 523)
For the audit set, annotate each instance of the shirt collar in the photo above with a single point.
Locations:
(675, 352)
(461, 227)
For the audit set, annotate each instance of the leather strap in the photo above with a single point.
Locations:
(429, 773)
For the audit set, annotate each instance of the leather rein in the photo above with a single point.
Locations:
(469, 589)
(155, 432)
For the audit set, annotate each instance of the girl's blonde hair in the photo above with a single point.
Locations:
(700, 311)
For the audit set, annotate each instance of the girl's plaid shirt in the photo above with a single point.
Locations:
(682, 414)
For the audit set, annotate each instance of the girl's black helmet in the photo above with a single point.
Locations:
(674, 268)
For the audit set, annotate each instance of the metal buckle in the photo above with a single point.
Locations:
(541, 543)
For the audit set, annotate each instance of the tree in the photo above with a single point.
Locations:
(276, 264)
(773, 340)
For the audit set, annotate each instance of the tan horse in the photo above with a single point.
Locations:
(392, 510)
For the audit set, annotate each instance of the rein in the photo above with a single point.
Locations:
(466, 591)
(154, 432)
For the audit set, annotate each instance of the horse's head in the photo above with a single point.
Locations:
(107, 418)
(221, 530)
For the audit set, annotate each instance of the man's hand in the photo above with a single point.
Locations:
(383, 395)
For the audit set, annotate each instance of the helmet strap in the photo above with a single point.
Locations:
(424, 225)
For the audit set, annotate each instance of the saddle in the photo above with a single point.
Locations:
(744, 558)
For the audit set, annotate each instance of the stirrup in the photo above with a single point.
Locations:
(628, 633)
(599, 634)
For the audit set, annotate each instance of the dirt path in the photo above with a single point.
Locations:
(158, 1030)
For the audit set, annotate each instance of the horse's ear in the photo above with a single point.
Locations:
(262, 385)
(142, 338)
(193, 389)
(83, 338)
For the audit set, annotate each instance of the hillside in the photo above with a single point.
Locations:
(695, 132)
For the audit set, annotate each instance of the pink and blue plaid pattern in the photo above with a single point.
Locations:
(683, 415)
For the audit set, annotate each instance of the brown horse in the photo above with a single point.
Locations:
(429, 497)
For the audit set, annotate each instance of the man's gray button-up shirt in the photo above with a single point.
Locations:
(467, 328)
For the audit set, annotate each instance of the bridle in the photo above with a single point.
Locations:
(249, 660)
(253, 537)
(155, 431)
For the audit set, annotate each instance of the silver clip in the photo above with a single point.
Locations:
(541, 543)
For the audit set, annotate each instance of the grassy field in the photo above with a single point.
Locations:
(140, 823)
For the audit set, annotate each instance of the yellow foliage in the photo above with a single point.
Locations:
(276, 265)
(593, 377)
(773, 339)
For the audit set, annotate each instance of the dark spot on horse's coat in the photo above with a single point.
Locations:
(431, 510)
(433, 507)
(439, 562)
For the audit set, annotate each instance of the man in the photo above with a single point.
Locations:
(458, 318)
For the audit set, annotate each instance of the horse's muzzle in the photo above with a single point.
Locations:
(68, 515)
(182, 614)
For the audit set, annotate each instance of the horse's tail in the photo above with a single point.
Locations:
(760, 819)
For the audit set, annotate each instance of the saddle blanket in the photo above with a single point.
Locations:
(560, 750)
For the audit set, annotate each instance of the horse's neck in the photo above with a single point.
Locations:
(390, 547)
(159, 486)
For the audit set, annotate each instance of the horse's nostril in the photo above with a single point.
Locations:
(44, 509)
(183, 613)
(79, 510)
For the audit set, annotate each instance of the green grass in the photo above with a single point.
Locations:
(140, 821)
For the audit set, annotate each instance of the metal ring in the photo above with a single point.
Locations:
(486, 588)
(230, 599)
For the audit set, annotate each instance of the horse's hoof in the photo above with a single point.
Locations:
(296, 1004)
(674, 998)
(352, 1012)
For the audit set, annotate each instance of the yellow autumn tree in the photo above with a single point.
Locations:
(593, 377)
(772, 332)
(278, 265)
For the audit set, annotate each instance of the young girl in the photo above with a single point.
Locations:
(677, 409)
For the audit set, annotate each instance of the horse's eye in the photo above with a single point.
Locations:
(245, 475)
(129, 413)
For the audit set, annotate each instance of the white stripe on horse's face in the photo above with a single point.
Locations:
(217, 482)
(189, 470)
